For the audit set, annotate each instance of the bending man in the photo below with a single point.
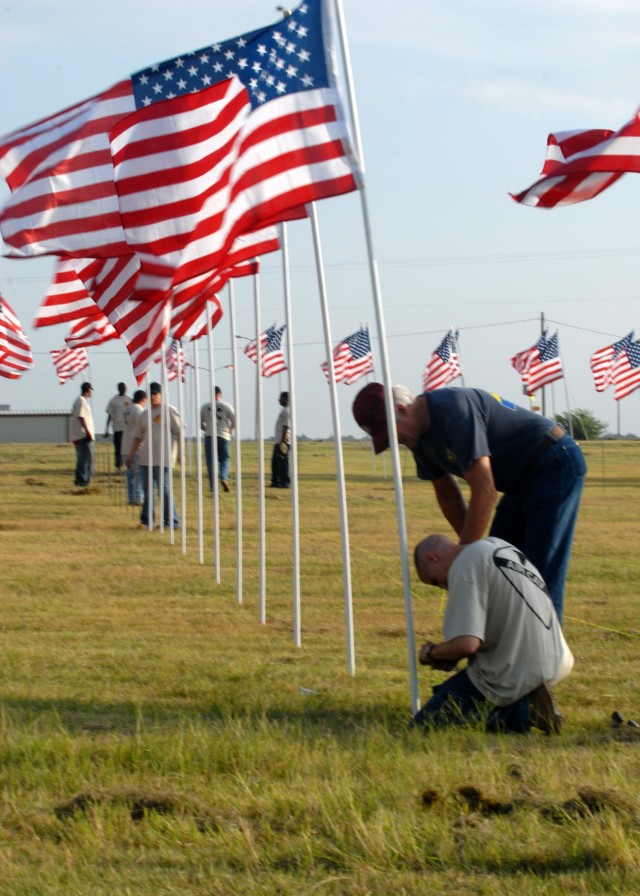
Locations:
(496, 446)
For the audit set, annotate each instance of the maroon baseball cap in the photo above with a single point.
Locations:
(370, 414)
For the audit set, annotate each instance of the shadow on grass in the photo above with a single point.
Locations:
(76, 717)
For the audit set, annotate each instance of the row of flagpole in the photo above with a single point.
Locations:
(97, 271)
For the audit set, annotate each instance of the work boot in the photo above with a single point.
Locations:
(543, 710)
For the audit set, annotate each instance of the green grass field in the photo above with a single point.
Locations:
(155, 738)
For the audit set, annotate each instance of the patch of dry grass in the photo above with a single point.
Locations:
(155, 738)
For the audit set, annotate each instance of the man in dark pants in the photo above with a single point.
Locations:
(500, 619)
(82, 434)
(496, 446)
(116, 411)
(280, 456)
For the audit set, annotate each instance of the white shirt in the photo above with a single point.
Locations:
(498, 596)
(81, 408)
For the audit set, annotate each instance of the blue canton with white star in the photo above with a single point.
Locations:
(548, 348)
(359, 344)
(633, 353)
(273, 338)
(283, 58)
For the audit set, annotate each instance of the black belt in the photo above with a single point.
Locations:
(549, 438)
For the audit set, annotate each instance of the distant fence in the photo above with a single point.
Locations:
(18, 427)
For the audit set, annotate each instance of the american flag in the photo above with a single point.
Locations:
(271, 357)
(15, 348)
(581, 164)
(443, 366)
(601, 362)
(69, 362)
(178, 159)
(352, 358)
(175, 361)
(625, 373)
(540, 364)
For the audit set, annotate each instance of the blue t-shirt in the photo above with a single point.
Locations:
(470, 423)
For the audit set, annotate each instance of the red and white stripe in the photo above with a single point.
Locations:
(581, 164)
(15, 348)
(69, 362)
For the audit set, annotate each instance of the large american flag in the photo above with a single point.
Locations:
(69, 362)
(177, 160)
(539, 365)
(625, 373)
(601, 361)
(15, 348)
(352, 358)
(271, 357)
(443, 366)
(581, 164)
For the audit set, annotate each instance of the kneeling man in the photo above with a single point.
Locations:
(500, 618)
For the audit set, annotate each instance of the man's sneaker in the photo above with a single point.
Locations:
(544, 712)
(225, 485)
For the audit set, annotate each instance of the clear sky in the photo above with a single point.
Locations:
(455, 103)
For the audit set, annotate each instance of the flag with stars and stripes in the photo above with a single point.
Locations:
(602, 361)
(539, 365)
(69, 362)
(15, 348)
(176, 161)
(271, 357)
(352, 358)
(175, 361)
(625, 373)
(443, 366)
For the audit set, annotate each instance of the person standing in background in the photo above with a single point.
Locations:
(135, 486)
(280, 456)
(154, 453)
(115, 415)
(82, 434)
(225, 422)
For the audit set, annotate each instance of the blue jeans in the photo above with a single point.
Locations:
(84, 458)
(539, 517)
(146, 514)
(135, 488)
(457, 701)
(224, 458)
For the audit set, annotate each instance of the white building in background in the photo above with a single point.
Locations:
(24, 427)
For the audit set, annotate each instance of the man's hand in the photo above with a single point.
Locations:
(423, 657)
(284, 449)
(426, 658)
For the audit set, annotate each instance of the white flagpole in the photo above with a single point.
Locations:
(214, 453)
(149, 450)
(455, 333)
(262, 559)
(166, 448)
(196, 361)
(183, 472)
(393, 435)
(238, 441)
(342, 498)
(297, 632)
